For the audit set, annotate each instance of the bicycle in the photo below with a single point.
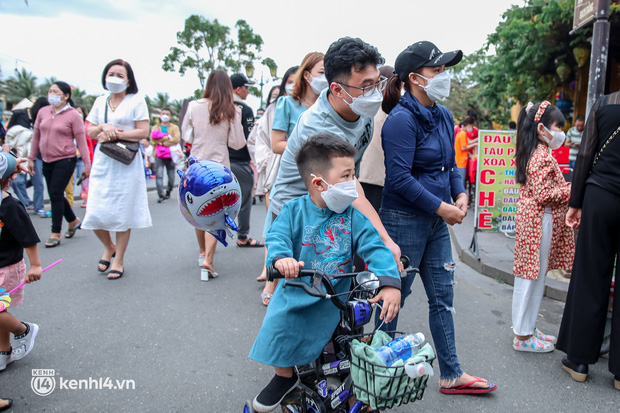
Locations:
(327, 384)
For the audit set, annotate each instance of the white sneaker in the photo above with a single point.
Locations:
(5, 359)
(22, 346)
(533, 345)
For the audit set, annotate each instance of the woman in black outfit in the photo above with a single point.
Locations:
(593, 207)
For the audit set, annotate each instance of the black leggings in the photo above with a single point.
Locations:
(57, 175)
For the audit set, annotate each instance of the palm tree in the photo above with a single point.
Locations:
(22, 85)
(161, 101)
(176, 106)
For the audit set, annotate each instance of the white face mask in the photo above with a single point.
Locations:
(115, 84)
(338, 197)
(318, 83)
(288, 88)
(365, 105)
(558, 138)
(438, 87)
(165, 118)
(54, 100)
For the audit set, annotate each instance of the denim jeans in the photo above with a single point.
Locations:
(426, 241)
(79, 168)
(19, 187)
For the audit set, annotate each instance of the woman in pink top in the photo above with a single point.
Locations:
(217, 126)
(56, 131)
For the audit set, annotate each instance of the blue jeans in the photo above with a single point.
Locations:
(19, 187)
(426, 241)
(79, 168)
(37, 183)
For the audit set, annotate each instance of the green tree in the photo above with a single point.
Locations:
(206, 45)
(81, 98)
(44, 88)
(162, 100)
(22, 85)
(519, 61)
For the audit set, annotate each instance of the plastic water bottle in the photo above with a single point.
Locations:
(401, 348)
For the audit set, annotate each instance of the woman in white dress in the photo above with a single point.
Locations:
(117, 195)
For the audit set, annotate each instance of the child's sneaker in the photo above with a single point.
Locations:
(272, 395)
(532, 344)
(5, 359)
(23, 344)
(545, 337)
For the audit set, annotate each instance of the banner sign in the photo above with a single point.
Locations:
(497, 192)
(585, 12)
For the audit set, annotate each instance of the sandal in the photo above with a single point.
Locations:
(104, 263)
(210, 274)
(118, 275)
(71, 231)
(250, 243)
(468, 389)
(52, 242)
(266, 297)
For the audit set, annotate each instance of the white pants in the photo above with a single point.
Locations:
(527, 294)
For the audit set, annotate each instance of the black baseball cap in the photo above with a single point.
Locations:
(238, 80)
(422, 54)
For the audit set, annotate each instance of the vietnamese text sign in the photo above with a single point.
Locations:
(585, 12)
(497, 192)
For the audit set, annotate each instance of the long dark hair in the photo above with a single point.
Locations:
(527, 134)
(38, 104)
(219, 91)
(290, 72)
(66, 90)
(269, 96)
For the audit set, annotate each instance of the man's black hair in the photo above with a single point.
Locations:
(316, 154)
(580, 118)
(347, 55)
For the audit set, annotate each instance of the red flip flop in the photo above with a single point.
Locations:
(468, 389)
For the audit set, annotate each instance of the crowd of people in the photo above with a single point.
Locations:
(358, 164)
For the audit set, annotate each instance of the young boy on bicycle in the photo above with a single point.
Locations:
(320, 230)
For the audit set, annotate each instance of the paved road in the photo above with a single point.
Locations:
(184, 342)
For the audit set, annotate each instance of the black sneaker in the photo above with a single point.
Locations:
(167, 196)
(161, 199)
(272, 395)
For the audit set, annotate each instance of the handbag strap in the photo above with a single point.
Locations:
(105, 113)
(613, 135)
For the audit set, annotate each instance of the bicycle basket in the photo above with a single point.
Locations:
(381, 386)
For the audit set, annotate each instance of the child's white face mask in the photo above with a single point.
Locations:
(339, 196)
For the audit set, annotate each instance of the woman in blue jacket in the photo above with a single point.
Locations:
(423, 192)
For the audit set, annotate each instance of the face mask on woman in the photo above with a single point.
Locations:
(339, 196)
(115, 84)
(365, 105)
(288, 88)
(558, 138)
(54, 100)
(438, 87)
(318, 83)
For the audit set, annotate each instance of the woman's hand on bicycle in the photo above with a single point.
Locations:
(289, 267)
(391, 302)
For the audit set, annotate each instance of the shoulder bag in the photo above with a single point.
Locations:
(121, 151)
(611, 138)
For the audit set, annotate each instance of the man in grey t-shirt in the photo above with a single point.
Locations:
(345, 109)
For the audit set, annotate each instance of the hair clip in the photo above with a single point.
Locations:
(529, 106)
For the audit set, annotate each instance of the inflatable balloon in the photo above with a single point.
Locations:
(210, 198)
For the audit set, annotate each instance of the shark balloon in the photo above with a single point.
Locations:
(210, 197)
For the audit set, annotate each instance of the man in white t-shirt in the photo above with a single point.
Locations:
(346, 109)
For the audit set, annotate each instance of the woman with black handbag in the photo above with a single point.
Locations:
(56, 131)
(117, 199)
(593, 208)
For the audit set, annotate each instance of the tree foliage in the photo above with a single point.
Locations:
(519, 61)
(205, 45)
(22, 85)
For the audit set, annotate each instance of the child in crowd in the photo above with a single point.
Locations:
(16, 234)
(320, 230)
(543, 240)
